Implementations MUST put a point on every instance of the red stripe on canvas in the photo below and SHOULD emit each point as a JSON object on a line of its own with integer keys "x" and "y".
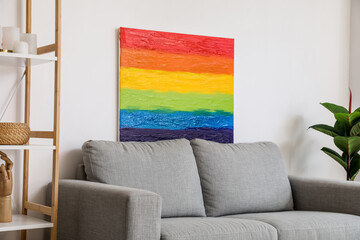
{"x": 176, "y": 42}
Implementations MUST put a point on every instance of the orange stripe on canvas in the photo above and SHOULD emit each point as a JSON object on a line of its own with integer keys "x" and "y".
{"x": 150, "y": 59}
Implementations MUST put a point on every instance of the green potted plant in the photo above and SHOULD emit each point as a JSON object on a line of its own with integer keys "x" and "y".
{"x": 346, "y": 134}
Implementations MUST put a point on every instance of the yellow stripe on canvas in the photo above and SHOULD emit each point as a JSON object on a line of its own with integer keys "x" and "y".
{"x": 181, "y": 82}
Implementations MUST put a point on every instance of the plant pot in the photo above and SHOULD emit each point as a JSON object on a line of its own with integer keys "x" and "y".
{"x": 14, "y": 133}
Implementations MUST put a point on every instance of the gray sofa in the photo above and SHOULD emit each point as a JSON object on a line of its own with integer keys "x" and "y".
{"x": 201, "y": 190}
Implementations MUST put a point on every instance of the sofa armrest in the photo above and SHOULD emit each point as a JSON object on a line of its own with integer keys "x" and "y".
{"x": 89, "y": 210}
{"x": 325, "y": 195}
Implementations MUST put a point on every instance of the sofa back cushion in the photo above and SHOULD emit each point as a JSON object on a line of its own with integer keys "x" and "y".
{"x": 167, "y": 168}
{"x": 242, "y": 178}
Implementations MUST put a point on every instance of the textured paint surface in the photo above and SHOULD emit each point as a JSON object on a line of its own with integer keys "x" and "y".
{"x": 176, "y": 42}
{"x": 174, "y": 101}
{"x": 181, "y": 82}
{"x": 149, "y": 135}
{"x": 174, "y": 120}
{"x": 175, "y": 86}
{"x": 149, "y": 59}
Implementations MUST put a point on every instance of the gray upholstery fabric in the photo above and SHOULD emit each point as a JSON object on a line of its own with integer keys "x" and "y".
{"x": 167, "y": 168}
{"x": 302, "y": 225}
{"x": 241, "y": 178}
{"x": 215, "y": 229}
{"x": 92, "y": 211}
{"x": 326, "y": 195}
{"x": 80, "y": 172}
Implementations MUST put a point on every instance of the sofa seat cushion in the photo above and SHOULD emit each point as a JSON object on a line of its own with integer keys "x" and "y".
{"x": 307, "y": 225}
{"x": 215, "y": 229}
{"x": 242, "y": 177}
{"x": 167, "y": 168}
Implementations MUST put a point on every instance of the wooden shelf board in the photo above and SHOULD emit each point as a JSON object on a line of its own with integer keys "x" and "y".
{"x": 27, "y": 147}
{"x": 22, "y": 222}
{"x": 22, "y": 60}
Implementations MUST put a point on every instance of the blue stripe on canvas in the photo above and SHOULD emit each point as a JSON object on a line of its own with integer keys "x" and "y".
{"x": 175, "y": 120}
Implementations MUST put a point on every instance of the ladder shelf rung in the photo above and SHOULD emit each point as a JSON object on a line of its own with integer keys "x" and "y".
{"x": 42, "y": 134}
{"x": 38, "y": 208}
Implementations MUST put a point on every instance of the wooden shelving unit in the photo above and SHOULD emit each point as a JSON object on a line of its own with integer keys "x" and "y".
{"x": 27, "y": 147}
{"x": 22, "y": 221}
{"x": 23, "y": 60}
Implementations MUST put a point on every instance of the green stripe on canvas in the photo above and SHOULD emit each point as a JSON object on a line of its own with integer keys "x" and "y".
{"x": 152, "y": 100}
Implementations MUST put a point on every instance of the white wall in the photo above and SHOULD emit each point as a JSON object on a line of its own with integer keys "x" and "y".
{"x": 289, "y": 56}
{"x": 355, "y": 52}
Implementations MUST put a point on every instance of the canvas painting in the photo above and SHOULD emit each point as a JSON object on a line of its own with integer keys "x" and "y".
{"x": 175, "y": 86}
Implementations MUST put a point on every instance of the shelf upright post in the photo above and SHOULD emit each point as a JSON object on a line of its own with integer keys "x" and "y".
{"x": 54, "y": 135}
{"x": 27, "y": 121}
{"x": 56, "y": 138}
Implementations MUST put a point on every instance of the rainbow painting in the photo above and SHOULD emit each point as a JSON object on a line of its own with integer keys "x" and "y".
{"x": 175, "y": 86}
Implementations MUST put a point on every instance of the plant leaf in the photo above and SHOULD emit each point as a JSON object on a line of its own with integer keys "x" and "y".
{"x": 354, "y": 166}
{"x": 348, "y": 144}
{"x": 341, "y": 128}
{"x": 357, "y": 110}
{"x": 343, "y": 117}
{"x": 328, "y": 130}
{"x": 353, "y": 176}
{"x": 348, "y": 119}
{"x": 335, "y": 156}
{"x": 355, "y": 130}
{"x": 342, "y": 143}
{"x": 354, "y": 117}
{"x": 335, "y": 108}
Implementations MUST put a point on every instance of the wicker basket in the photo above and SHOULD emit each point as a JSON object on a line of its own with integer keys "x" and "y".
{"x": 14, "y": 133}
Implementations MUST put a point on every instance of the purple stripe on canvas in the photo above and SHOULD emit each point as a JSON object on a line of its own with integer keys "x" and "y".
{"x": 151, "y": 135}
